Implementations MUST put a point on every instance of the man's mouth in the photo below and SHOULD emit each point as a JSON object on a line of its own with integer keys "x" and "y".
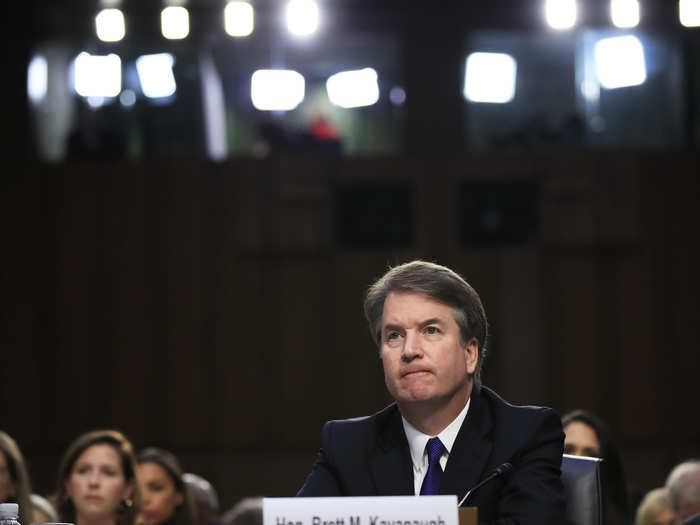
{"x": 408, "y": 373}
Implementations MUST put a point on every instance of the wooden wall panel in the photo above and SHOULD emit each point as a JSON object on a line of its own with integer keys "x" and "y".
{"x": 207, "y": 308}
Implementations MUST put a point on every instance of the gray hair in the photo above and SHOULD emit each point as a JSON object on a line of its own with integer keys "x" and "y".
{"x": 441, "y": 284}
{"x": 683, "y": 484}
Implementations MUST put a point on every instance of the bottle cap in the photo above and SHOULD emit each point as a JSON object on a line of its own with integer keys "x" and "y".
{"x": 9, "y": 511}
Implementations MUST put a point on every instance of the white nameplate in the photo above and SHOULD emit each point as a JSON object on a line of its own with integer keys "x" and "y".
{"x": 374, "y": 510}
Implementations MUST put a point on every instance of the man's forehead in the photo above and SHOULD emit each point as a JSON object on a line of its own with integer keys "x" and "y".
{"x": 412, "y": 304}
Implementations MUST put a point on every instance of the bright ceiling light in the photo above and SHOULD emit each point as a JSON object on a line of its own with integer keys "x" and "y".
{"x": 353, "y": 89}
{"x": 109, "y": 25}
{"x": 239, "y": 18}
{"x": 620, "y": 62}
{"x": 490, "y": 77}
{"x": 689, "y": 12}
{"x": 276, "y": 89}
{"x": 302, "y": 17}
{"x": 97, "y": 75}
{"x": 175, "y": 22}
{"x": 560, "y": 14}
{"x": 624, "y": 13}
{"x": 37, "y": 79}
{"x": 156, "y": 75}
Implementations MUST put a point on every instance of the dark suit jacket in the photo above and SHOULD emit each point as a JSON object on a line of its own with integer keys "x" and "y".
{"x": 369, "y": 456}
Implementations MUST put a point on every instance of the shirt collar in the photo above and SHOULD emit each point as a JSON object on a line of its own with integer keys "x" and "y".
{"x": 417, "y": 440}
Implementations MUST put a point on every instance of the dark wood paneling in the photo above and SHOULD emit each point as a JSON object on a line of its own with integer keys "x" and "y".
{"x": 206, "y": 308}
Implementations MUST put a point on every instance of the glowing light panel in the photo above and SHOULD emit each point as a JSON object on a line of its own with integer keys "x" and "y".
{"x": 109, "y": 25}
{"x": 175, "y": 22}
{"x": 561, "y": 14}
{"x": 624, "y": 13}
{"x": 97, "y": 75}
{"x": 239, "y": 18}
{"x": 302, "y": 17}
{"x": 37, "y": 79}
{"x": 689, "y": 12}
{"x": 276, "y": 89}
{"x": 156, "y": 75}
{"x": 490, "y": 77}
{"x": 353, "y": 89}
{"x": 620, "y": 62}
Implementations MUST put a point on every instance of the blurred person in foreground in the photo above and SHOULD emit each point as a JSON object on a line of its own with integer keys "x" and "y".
{"x": 248, "y": 511}
{"x": 587, "y": 435}
{"x": 445, "y": 432}
{"x": 166, "y": 500}
{"x": 96, "y": 481}
{"x": 655, "y": 508}
{"x": 205, "y": 498}
{"x": 16, "y": 488}
{"x": 683, "y": 484}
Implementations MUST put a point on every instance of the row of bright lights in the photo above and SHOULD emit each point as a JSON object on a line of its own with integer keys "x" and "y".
{"x": 270, "y": 89}
{"x": 562, "y": 14}
{"x": 489, "y": 77}
{"x": 302, "y": 18}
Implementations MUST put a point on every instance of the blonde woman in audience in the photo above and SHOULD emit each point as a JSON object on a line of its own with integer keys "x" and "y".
{"x": 655, "y": 508}
{"x": 96, "y": 481}
{"x": 15, "y": 486}
{"x": 14, "y": 481}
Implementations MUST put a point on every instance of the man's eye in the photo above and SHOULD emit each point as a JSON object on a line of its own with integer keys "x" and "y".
{"x": 432, "y": 330}
{"x": 392, "y": 336}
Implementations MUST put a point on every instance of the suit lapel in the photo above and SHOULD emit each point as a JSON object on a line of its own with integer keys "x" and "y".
{"x": 471, "y": 450}
{"x": 390, "y": 463}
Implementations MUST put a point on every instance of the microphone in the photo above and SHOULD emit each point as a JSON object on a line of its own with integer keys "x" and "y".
{"x": 499, "y": 471}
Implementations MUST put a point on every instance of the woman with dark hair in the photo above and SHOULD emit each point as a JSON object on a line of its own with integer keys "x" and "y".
{"x": 96, "y": 481}
{"x": 166, "y": 497}
{"x": 587, "y": 435}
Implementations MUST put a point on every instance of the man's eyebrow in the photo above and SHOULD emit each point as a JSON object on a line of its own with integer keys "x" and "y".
{"x": 422, "y": 324}
{"x": 432, "y": 320}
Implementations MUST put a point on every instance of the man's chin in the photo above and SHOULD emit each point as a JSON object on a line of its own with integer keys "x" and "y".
{"x": 417, "y": 396}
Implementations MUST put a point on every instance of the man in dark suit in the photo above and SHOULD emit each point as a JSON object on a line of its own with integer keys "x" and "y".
{"x": 445, "y": 433}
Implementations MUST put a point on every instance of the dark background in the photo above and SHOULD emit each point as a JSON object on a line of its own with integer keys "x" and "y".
{"x": 214, "y": 309}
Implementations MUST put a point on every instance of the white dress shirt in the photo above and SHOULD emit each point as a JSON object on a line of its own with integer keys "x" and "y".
{"x": 417, "y": 442}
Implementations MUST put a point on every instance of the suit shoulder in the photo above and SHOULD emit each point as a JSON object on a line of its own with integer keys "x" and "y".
{"x": 350, "y": 440}
{"x": 358, "y": 426}
{"x": 518, "y": 415}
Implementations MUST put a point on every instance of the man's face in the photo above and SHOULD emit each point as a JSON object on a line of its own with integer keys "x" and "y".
{"x": 421, "y": 351}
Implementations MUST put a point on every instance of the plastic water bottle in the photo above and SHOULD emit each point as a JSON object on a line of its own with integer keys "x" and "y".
{"x": 9, "y": 513}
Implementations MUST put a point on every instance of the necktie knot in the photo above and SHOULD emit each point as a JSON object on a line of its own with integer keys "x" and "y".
{"x": 431, "y": 482}
{"x": 435, "y": 449}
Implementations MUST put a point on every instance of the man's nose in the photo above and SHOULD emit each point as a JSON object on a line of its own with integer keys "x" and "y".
{"x": 412, "y": 347}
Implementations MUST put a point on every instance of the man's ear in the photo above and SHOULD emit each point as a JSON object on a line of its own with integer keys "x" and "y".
{"x": 471, "y": 353}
